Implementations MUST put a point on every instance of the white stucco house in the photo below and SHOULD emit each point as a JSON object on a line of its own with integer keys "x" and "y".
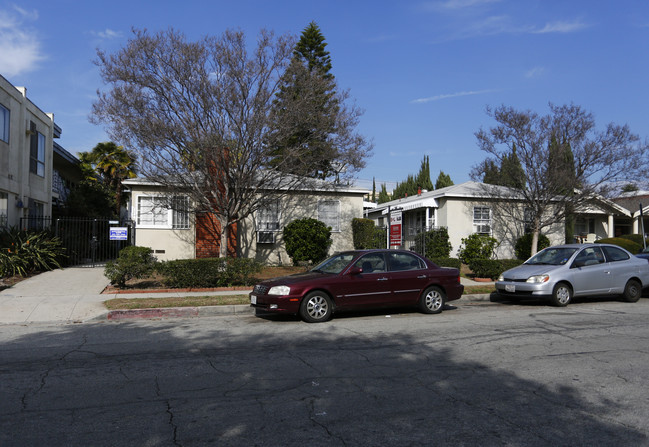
{"x": 176, "y": 233}
{"x": 467, "y": 208}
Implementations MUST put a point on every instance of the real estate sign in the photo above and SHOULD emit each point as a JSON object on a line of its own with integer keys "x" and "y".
{"x": 395, "y": 228}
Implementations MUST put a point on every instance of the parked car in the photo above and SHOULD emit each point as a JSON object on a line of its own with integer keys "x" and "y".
{"x": 360, "y": 279}
{"x": 562, "y": 272}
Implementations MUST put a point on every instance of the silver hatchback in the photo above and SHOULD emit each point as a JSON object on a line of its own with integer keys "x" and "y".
{"x": 562, "y": 272}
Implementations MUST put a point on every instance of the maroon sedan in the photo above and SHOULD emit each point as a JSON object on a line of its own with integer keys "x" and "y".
{"x": 357, "y": 280}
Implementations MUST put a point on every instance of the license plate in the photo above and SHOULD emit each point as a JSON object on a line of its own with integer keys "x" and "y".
{"x": 510, "y": 288}
{"x": 253, "y": 299}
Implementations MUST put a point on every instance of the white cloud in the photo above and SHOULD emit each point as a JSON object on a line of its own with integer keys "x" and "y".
{"x": 449, "y": 95}
{"x": 457, "y": 4}
{"x": 561, "y": 27}
{"x": 20, "y": 48}
{"x": 535, "y": 72}
{"x": 108, "y": 34}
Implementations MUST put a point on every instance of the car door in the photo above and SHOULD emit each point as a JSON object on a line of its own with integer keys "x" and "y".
{"x": 369, "y": 287}
{"x": 591, "y": 275}
{"x": 408, "y": 276}
{"x": 622, "y": 267}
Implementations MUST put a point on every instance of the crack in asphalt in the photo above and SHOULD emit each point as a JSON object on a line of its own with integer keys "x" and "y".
{"x": 169, "y": 411}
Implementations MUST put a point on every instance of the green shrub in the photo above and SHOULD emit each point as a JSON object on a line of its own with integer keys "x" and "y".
{"x": 523, "y": 248}
{"x": 627, "y": 244}
{"x": 438, "y": 244}
{"x": 447, "y": 262}
{"x": 23, "y": 252}
{"x": 132, "y": 262}
{"x": 209, "y": 272}
{"x": 367, "y": 235}
{"x": 476, "y": 246}
{"x": 492, "y": 268}
{"x": 307, "y": 240}
{"x": 242, "y": 271}
{"x": 204, "y": 272}
{"x": 637, "y": 238}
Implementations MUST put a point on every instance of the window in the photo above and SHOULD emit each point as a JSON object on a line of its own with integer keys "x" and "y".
{"x": 482, "y": 220}
{"x": 267, "y": 216}
{"x": 614, "y": 254}
{"x": 589, "y": 256}
{"x": 329, "y": 213}
{"x": 404, "y": 261}
{"x": 37, "y": 152}
{"x": 180, "y": 213}
{"x": 584, "y": 225}
{"x": 371, "y": 263}
{"x": 5, "y": 116}
{"x": 160, "y": 212}
{"x": 4, "y": 209}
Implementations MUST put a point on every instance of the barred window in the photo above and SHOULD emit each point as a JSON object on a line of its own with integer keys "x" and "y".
{"x": 267, "y": 216}
{"x": 160, "y": 212}
{"x": 482, "y": 220}
{"x": 180, "y": 213}
{"x": 329, "y": 213}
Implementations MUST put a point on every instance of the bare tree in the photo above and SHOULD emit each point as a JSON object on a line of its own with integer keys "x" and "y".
{"x": 197, "y": 113}
{"x": 592, "y": 162}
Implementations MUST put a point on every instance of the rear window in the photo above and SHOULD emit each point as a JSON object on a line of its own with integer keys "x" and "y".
{"x": 615, "y": 254}
{"x": 404, "y": 261}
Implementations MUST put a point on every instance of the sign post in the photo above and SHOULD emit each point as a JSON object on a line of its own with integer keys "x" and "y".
{"x": 395, "y": 228}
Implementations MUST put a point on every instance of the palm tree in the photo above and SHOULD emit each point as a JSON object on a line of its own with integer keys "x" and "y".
{"x": 114, "y": 164}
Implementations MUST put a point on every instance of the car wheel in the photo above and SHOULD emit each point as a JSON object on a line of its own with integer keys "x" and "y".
{"x": 632, "y": 291}
{"x": 316, "y": 307}
{"x": 561, "y": 295}
{"x": 432, "y": 300}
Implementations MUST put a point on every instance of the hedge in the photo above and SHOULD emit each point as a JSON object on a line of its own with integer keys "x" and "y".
{"x": 209, "y": 272}
{"x": 625, "y": 243}
{"x": 492, "y": 268}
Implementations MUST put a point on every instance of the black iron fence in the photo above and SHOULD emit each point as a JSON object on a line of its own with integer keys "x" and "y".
{"x": 87, "y": 241}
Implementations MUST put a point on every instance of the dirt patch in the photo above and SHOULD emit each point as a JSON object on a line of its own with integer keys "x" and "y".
{"x": 9, "y": 281}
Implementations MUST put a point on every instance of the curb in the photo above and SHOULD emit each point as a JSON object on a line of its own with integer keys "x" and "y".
{"x": 209, "y": 311}
{"x": 177, "y": 312}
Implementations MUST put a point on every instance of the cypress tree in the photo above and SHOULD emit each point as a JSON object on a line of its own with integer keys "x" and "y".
{"x": 308, "y": 149}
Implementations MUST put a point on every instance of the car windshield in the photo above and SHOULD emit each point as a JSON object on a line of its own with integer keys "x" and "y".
{"x": 552, "y": 256}
{"x": 334, "y": 264}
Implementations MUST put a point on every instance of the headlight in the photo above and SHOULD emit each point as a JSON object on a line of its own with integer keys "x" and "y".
{"x": 538, "y": 278}
{"x": 279, "y": 290}
{"x": 501, "y": 277}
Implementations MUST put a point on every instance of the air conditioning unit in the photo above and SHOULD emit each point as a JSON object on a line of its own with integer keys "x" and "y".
{"x": 266, "y": 237}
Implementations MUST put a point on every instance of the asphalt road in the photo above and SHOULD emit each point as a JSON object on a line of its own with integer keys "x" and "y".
{"x": 483, "y": 374}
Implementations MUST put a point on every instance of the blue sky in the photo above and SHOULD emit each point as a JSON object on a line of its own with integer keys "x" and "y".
{"x": 423, "y": 71}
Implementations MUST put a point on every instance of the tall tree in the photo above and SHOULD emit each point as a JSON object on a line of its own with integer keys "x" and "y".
{"x": 308, "y": 78}
{"x": 383, "y": 194}
{"x": 562, "y": 162}
{"x": 601, "y": 158}
{"x": 373, "y": 189}
{"x": 197, "y": 113}
{"x": 113, "y": 164}
{"x": 443, "y": 180}
{"x": 413, "y": 184}
{"x": 423, "y": 180}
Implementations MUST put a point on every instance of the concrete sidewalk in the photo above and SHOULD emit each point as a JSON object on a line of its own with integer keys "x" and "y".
{"x": 73, "y": 295}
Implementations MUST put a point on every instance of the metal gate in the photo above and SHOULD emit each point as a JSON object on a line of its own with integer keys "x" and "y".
{"x": 87, "y": 241}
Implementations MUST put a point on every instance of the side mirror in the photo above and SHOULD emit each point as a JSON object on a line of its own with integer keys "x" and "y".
{"x": 355, "y": 271}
